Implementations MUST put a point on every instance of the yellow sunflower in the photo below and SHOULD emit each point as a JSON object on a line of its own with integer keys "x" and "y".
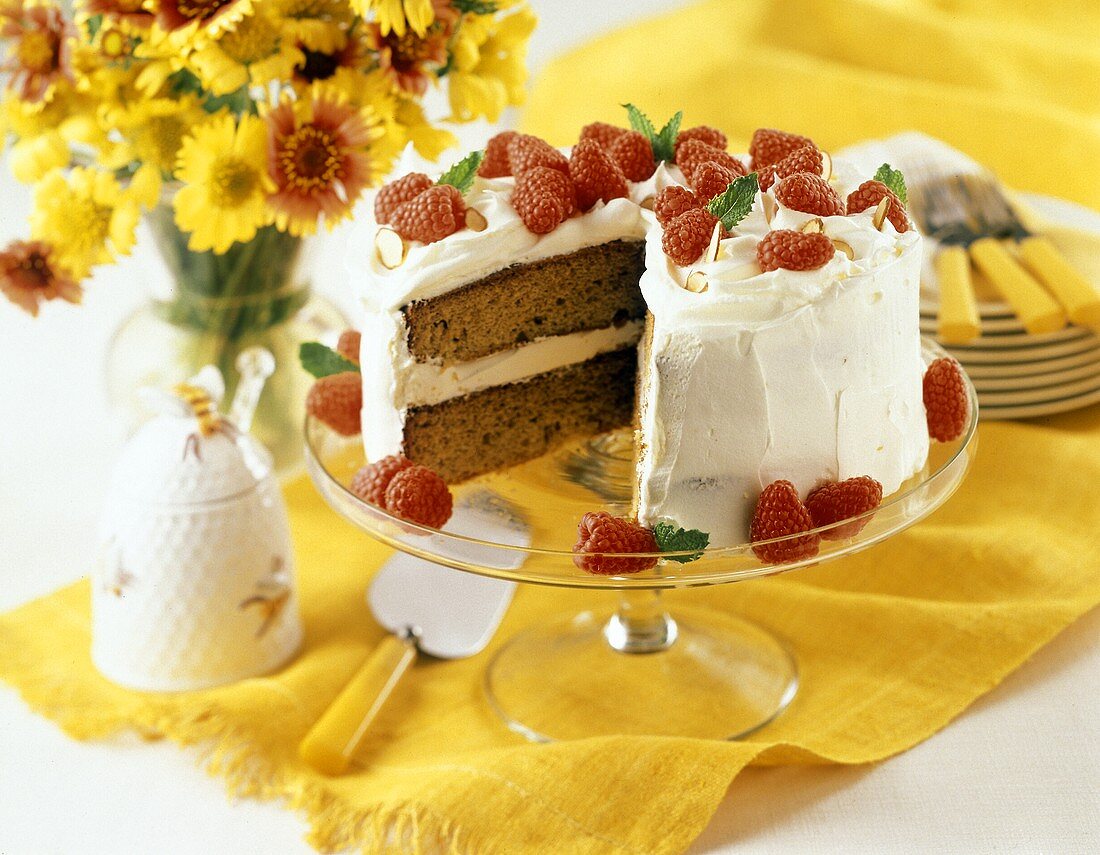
{"x": 85, "y": 216}
{"x": 258, "y": 50}
{"x": 489, "y": 71}
{"x": 224, "y": 169}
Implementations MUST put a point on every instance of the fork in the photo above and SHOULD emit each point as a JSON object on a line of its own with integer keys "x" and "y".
{"x": 974, "y": 222}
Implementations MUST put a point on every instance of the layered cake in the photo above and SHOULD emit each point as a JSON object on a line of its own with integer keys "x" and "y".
{"x": 753, "y": 317}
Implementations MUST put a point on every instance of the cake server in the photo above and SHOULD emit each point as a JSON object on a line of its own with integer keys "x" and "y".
{"x": 427, "y": 609}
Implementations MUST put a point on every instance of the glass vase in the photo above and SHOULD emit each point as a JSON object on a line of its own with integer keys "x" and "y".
{"x": 205, "y": 308}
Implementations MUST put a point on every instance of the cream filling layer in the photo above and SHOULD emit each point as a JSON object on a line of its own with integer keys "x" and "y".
{"x": 426, "y": 383}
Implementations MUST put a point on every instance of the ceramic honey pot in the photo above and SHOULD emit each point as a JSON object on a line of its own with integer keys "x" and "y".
{"x": 194, "y": 582}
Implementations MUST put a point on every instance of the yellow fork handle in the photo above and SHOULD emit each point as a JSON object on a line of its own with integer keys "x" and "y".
{"x": 1080, "y": 297}
{"x": 333, "y": 740}
{"x": 1036, "y": 309}
{"x": 958, "y": 313}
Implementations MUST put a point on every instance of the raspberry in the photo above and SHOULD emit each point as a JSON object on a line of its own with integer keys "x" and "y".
{"x": 869, "y": 194}
{"x": 946, "y": 403}
{"x": 370, "y": 482}
{"x": 834, "y": 502}
{"x": 418, "y": 495}
{"x": 673, "y": 201}
{"x": 806, "y": 159}
{"x": 397, "y": 193}
{"x": 634, "y": 155}
{"x": 595, "y": 175}
{"x": 705, "y": 133}
{"x": 793, "y": 250}
{"x": 496, "y": 164}
{"x": 687, "y": 236}
{"x": 433, "y": 215}
{"x": 810, "y": 194}
{"x": 602, "y": 134}
{"x": 336, "y": 400}
{"x": 599, "y": 532}
{"x": 543, "y": 198}
{"x": 526, "y": 152}
{"x": 693, "y": 153}
{"x": 770, "y": 146}
{"x": 779, "y": 513}
{"x": 710, "y": 179}
{"x": 348, "y": 345}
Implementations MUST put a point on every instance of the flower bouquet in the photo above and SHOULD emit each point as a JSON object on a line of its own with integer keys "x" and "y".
{"x": 237, "y": 128}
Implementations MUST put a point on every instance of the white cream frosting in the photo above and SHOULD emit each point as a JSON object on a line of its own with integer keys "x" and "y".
{"x": 804, "y": 375}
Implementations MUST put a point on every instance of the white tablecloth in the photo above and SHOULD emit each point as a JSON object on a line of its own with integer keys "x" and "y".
{"x": 1018, "y": 772}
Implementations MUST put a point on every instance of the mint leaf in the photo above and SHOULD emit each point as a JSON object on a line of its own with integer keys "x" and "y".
{"x": 665, "y": 147}
{"x": 639, "y": 121}
{"x": 461, "y": 175}
{"x": 671, "y": 538}
{"x": 320, "y": 361}
{"x": 734, "y": 204}
{"x": 663, "y": 143}
{"x": 893, "y": 179}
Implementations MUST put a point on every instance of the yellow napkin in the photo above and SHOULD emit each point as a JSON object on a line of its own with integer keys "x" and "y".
{"x": 893, "y": 643}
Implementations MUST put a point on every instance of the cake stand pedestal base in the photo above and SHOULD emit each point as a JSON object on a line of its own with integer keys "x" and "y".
{"x": 640, "y": 672}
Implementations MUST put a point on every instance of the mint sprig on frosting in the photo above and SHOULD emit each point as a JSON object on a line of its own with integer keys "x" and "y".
{"x": 662, "y": 142}
{"x": 321, "y": 360}
{"x": 735, "y": 203}
{"x": 893, "y": 179}
{"x": 462, "y": 174}
{"x": 671, "y": 538}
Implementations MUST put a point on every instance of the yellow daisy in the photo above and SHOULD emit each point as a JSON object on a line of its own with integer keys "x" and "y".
{"x": 224, "y": 169}
{"x": 154, "y": 129}
{"x": 428, "y": 140}
{"x": 318, "y": 25}
{"x": 30, "y": 159}
{"x": 488, "y": 72}
{"x": 85, "y": 216}
{"x": 398, "y": 16}
{"x": 256, "y": 51}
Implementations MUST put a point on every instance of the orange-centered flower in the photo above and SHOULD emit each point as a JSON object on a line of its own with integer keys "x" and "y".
{"x": 317, "y": 156}
{"x": 127, "y": 11}
{"x": 29, "y": 276}
{"x": 40, "y": 54}
{"x": 173, "y": 15}
{"x": 408, "y": 58}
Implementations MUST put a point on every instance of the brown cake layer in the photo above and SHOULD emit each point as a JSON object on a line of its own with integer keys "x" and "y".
{"x": 589, "y": 289}
{"x": 506, "y": 425}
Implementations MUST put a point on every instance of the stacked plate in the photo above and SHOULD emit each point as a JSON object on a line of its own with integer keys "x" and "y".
{"x": 1018, "y": 375}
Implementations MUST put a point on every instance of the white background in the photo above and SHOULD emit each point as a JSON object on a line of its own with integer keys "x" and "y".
{"x": 1018, "y": 772}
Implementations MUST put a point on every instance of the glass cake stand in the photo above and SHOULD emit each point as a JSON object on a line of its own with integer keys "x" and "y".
{"x": 636, "y": 669}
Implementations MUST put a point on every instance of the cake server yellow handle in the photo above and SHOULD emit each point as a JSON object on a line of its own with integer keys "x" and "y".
{"x": 1036, "y": 309}
{"x": 332, "y": 741}
{"x": 1080, "y": 297}
{"x": 958, "y": 314}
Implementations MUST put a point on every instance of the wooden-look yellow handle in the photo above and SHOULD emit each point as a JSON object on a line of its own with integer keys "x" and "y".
{"x": 332, "y": 741}
{"x": 1036, "y": 309}
{"x": 1080, "y": 297}
{"x": 958, "y": 315}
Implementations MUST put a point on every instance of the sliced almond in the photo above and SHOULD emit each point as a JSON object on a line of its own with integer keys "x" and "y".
{"x": 390, "y": 247}
{"x": 770, "y": 207}
{"x": 826, "y": 166}
{"x": 816, "y": 226}
{"x": 697, "y": 282}
{"x": 845, "y": 247}
{"x": 649, "y": 202}
{"x": 880, "y": 212}
{"x": 712, "y": 249}
{"x": 475, "y": 220}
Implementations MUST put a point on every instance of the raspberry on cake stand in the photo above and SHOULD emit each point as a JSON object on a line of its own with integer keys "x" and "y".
{"x": 640, "y": 669}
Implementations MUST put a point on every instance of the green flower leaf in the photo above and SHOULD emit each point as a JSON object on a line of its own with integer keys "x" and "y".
{"x": 893, "y": 179}
{"x": 733, "y": 205}
{"x": 462, "y": 174}
{"x": 321, "y": 361}
{"x": 671, "y": 538}
{"x": 663, "y": 143}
